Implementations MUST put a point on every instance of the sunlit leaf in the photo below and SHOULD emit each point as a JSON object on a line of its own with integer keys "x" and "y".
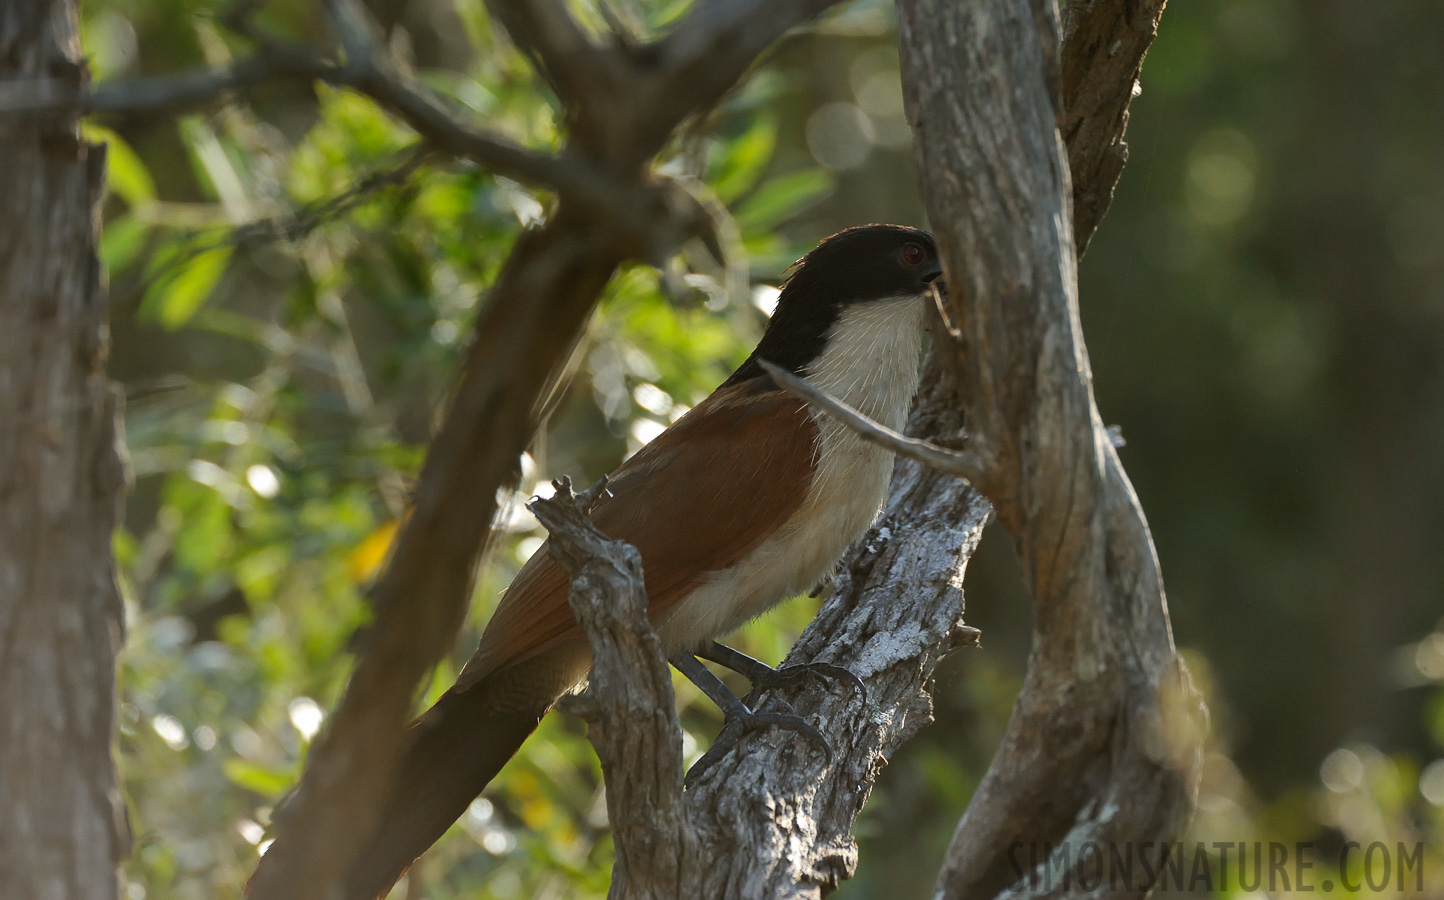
{"x": 125, "y": 173}
{"x": 214, "y": 167}
{"x": 269, "y": 781}
{"x": 744, "y": 159}
{"x": 184, "y": 286}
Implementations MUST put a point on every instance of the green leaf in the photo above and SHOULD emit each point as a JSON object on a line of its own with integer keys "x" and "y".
{"x": 121, "y": 239}
{"x": 125, "y": 173}
{"x": 184, "y": 286}
{"x": 782, "y": 198}
{"x": 745, "y": 158}
{"x": 352, "y": 135}
{"x": 269, "y": 781}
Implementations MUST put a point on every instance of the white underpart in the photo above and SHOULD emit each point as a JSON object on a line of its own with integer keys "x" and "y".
{"x": 872, "y": 362}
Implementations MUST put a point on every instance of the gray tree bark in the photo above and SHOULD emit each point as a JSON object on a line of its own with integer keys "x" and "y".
{"x": 62, "y": 824}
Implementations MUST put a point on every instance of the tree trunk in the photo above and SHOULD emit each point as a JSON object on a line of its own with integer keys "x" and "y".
{"x": 62, "y": 825}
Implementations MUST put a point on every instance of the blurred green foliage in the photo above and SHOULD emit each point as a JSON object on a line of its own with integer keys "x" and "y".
{"x": 292, "y": 280}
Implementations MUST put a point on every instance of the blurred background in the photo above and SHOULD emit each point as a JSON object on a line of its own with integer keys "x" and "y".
{"x": 291, "y": 284}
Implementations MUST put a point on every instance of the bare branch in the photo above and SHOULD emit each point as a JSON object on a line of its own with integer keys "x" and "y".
{"x": 63, "y": 825}
{"x": 357, "y": 33}
{"x": 773, "y": 826}
{"x": 766, "y": 820}
{"x": 628, "y": 705}
{"x": 1103, "y": 743}
{"x": 691, "y": 69}
{"x": 559, "y": 49}
{"x": 404, "y": 96}
{"x": 166, "y": 94}
{"x": 368, "y": 70}
{"x": 967, "y": 464}
{"x": 1103, "y": 50}
{"x": 772, "y": 822}
{"x": 735, "y": 28}
{"x": 529, "y": 326}
{"x": 400, "y": 94}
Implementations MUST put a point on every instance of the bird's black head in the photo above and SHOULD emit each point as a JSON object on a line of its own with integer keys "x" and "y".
{"x": 864, "y": 264}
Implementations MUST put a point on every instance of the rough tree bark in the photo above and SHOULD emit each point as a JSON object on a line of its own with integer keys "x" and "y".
{"x": 62, "y": 825}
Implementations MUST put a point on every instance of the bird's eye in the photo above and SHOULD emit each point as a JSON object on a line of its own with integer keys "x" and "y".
{"x": 912, "y": 254}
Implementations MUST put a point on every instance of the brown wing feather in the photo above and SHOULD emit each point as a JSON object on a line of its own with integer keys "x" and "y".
{"x": 693, "y": 501}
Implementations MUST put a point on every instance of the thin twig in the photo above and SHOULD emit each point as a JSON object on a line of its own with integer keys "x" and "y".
{"x": 937, "y": 295}
{"x": 367, "y": 72}
{"x": 289, "y": 226}
{"x": 967, "y": 464}
{"x": 162, "y": 94}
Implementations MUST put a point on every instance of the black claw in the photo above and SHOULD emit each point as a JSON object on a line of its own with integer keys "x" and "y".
{"x": 741, "y": 716}
{"x": 793, "y": 723}
{"x": 737, "y": 726}
{"x": 787, "y": 676}
{"x": 824, "y": 672}
{"x": 764, "y": 676}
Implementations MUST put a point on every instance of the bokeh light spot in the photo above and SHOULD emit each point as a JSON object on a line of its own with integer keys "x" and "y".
{"x": 840, "y": 136}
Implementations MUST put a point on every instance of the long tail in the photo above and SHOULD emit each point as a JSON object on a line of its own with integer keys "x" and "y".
{"x": 452, "y": 752}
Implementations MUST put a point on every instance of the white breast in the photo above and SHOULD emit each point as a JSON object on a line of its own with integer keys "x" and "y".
{"x": 872, "y": 362}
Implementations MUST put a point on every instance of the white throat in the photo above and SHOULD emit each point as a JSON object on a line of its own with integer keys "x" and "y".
{"x": 873, "y": 359}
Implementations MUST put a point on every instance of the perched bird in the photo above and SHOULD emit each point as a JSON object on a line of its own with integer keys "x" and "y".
{"x": 748, "y": 499}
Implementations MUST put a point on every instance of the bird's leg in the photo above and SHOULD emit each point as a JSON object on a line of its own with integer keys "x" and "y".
{"x": 764, "y": 676}
{"x": 739, "y": 718}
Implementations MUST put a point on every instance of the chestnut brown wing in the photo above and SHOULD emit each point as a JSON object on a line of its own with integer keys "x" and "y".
{"x": 693, "y": 501}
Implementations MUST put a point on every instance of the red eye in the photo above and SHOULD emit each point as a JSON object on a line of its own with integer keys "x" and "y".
{"x": 912, "y": 254}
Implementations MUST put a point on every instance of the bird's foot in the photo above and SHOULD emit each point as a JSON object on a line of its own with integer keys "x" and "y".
{"x": 788, "y": 676}
{"x": 764, "y": 677}
{"x": 745, "y": 722}
{"x": 740, "y": 718}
